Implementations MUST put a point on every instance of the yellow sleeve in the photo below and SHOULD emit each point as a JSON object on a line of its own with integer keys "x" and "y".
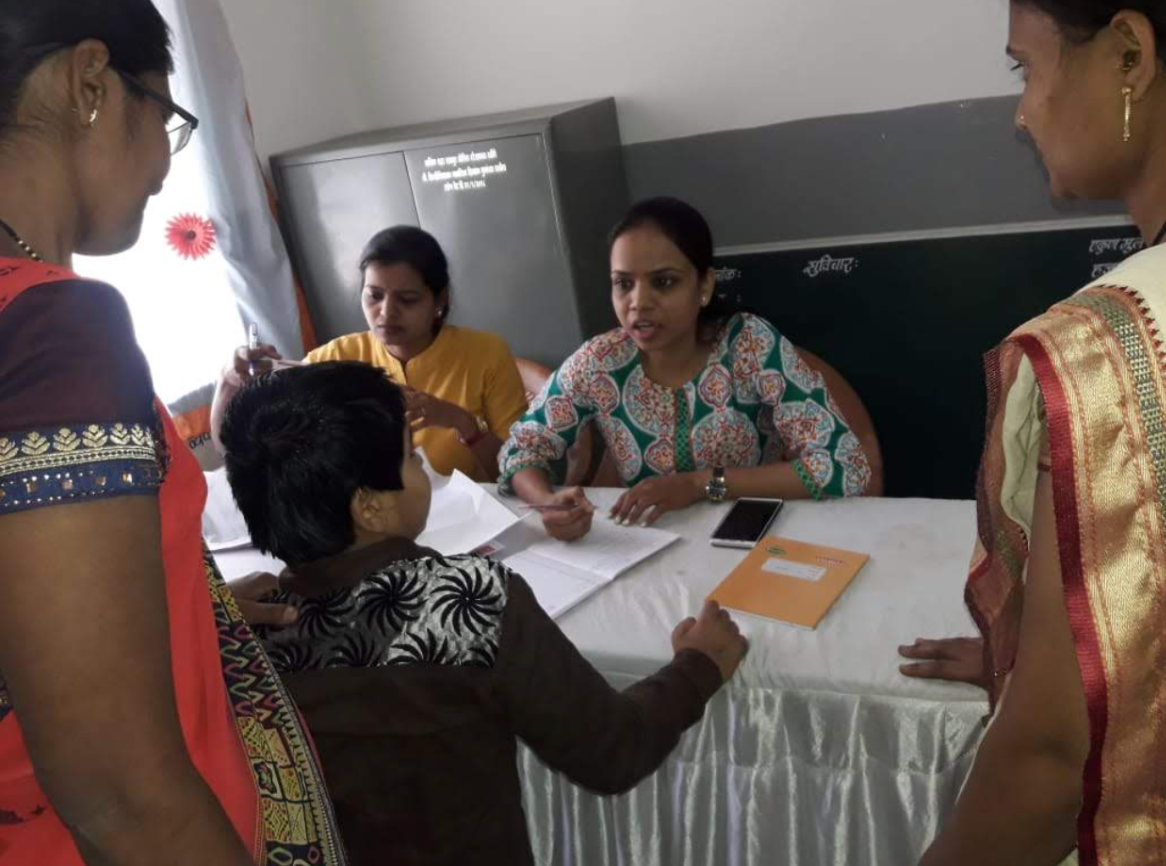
{"x": 505, "y": 398}
{"x": 324, "y": 353}
{"x": 349, "y": 348}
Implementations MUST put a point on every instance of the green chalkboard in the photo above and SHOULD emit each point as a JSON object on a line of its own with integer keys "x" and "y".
{"x": 907, "y": 322}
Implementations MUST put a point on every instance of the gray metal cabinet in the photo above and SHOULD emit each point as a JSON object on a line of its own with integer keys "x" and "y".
{"x": 332, "y": 206}
{"x": 521, "y": 202}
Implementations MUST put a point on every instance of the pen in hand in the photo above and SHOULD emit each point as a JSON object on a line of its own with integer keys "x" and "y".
{"x": 252, "y": 345}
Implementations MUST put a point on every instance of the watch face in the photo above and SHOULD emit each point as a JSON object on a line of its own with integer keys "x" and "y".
{"x": 717, "y": 489}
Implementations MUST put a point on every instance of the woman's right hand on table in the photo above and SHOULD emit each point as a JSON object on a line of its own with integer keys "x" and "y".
{"x": 955, "y": 659}
{"x": 568, "y": 514}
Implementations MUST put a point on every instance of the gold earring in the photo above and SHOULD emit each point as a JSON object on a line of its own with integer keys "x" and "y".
{"x": 1128, "y": 93}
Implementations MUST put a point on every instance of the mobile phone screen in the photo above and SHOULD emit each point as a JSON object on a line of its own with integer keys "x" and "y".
{"x": 748, "y": 520}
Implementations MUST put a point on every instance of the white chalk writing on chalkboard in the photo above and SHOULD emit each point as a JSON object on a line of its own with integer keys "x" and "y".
{"x": 830, "y": 265}
{"x": 1125, "y": 246}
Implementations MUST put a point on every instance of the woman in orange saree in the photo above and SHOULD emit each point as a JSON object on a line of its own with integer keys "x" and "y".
{"x": 1067, "y": 585}
{"x": 140, "y": 720}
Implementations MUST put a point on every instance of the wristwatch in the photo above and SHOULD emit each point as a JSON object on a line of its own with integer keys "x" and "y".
{"x": 478, "y": 435}
{"x": 717, "y": 490}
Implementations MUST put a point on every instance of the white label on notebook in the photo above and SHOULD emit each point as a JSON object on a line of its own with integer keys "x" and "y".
{"x": 794, "y": 569}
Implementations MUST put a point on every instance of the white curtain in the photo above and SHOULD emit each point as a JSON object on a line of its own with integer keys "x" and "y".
{"x": 190, "y": 314}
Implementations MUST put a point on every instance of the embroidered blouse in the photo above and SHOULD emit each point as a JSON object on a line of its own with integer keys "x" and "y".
{"x": 79, "y": 422}
{"x": 77, "y": 416}
{"x": 755, "y": 402}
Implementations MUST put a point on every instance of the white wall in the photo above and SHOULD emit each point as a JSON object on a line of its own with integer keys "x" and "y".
{"x": 304, "y": 85}
{"x": 319, "y": 68}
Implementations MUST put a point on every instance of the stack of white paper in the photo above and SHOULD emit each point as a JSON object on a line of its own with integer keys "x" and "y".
{"x": 562, "y": 575}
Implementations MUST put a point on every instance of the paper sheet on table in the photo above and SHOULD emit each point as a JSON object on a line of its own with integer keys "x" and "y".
{"x": 463, "y": 516}
{"x": 556, "y": 587}
{"x": 608, "y": 550}
{"x": 562, "y": 575}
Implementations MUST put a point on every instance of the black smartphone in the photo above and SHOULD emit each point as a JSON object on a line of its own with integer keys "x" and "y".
{"x": 747, "y": 522}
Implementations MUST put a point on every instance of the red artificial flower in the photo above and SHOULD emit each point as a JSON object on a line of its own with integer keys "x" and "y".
{"x": 191, "y": 236}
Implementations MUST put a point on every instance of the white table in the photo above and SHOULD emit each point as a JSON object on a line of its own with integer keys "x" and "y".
{"x": 819, "y": 751}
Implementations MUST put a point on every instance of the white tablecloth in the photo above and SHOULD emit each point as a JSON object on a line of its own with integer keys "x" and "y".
{"x": 818, "y": 752}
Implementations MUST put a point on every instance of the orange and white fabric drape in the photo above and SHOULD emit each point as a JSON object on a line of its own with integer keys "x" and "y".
{"x": 211, "y": 259}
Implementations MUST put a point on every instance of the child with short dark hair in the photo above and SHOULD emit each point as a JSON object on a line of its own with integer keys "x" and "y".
{"x": 417, "y": 672}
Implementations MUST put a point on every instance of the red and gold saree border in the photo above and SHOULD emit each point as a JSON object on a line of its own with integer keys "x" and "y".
{"x": 1098, "y": 363}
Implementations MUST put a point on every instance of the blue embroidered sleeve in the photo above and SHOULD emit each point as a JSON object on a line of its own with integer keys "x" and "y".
{"x": 51, "y": 467}
{"x": 77, "y": 416}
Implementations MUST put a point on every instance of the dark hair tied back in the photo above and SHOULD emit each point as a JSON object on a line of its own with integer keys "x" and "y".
{"x": 409, "y": 245}
{"x": 689, "y": 232}
{"x": 134, "y": 31}
{"x": 1081, "y": 20}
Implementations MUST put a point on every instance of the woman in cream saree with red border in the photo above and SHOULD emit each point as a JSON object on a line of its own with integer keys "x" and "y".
{"x": 1066, "y": 585}
{"x": 1089, "y": 379}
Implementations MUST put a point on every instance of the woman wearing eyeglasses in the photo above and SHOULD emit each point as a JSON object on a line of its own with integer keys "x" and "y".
{"x": 139, "y": 721}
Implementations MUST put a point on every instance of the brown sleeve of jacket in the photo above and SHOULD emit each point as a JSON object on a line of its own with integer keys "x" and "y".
{"x": 564, "y": 710}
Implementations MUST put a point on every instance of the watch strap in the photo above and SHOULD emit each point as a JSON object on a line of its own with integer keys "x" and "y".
{"x": 482, "y": 431}
{"x": 716, "y": 490}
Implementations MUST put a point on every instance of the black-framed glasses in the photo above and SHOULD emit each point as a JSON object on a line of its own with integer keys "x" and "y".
{"x": 179, "y": 130}
{"x": 184, "y": 124}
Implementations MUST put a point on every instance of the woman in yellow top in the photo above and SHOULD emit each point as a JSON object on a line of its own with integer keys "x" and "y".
{"x": 463, "y": 388}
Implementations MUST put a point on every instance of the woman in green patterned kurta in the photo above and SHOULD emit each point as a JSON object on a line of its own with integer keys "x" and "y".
{"x": 686, "y": 397}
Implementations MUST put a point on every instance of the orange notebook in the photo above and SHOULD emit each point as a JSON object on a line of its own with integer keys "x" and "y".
{"x": 789, "y": 581}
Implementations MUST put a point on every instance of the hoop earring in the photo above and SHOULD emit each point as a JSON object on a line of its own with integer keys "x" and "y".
{"x": 1128, "y": 93}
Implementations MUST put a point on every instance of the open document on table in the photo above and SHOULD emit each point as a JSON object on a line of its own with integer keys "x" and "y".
{"x": 563, "y": 574}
